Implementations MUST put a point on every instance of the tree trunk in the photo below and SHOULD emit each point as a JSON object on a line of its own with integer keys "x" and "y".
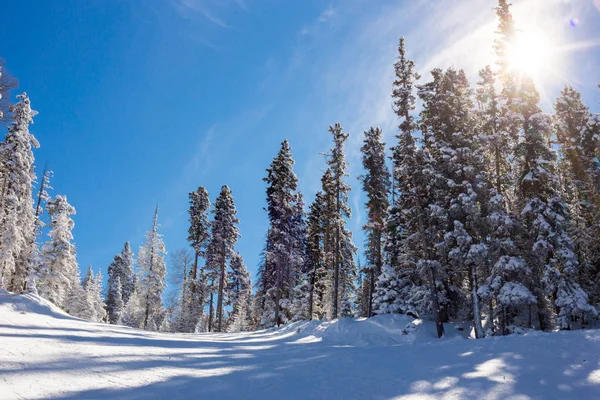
{"x": 311, "y": 293}
{"x": 479, "y": 332}
{"x": 220, "y": 295}
{"x": 371, "y": 290}
{"x": 147, "y": 314}
{"x": 432, "y": 283}
{"x": 210, "y": 306}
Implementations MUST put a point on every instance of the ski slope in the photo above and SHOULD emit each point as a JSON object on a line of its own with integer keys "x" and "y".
{"x": 45, "y": 353}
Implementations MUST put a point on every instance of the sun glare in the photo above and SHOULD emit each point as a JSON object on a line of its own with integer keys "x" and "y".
{"x": 530, "y": 53}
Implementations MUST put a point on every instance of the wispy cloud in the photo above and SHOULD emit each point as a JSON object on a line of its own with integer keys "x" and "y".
{"x": 323, "y": 18}
{"x": 211, "y": 10}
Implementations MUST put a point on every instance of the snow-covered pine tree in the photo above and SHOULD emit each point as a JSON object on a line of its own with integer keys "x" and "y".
{"x": 224, "y": 235}
{"x": 408, "y": 220}
{"x": 133, "y": 313}
{"x": 78, "y": 302}
{"x": 36, "y": 268}
{"x": 504, "y": 288}
{"x": 88, "y": 278}
{"x": 17, "y": 220}
{"x": 376, "y": 184}
{"x": 336, "y": 192}
{"x": 95, "y": 293}
{"x": 284, "y": 208}
{"x": 315, "y": 260}
{"x": 448, "y": 126}
{"x": 121, "y": 270}
{"x": 239, "y": 288}
{"x": 93, "y": 307}
{"x": 199, "y": 225}
{"x": 58, "y": 254}
{"x": 151, "y": 285}
{"x": 194, "y": 291}
{"x": 509, "y": 104}
{"x": 116, "y": 306}
{"x": 545, "y": 217}
{"x": 579, "y": 143}
{"x": 193, "y": 299}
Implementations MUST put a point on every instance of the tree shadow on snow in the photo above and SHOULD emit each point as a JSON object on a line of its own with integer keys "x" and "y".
{"x": 267, "y": 366}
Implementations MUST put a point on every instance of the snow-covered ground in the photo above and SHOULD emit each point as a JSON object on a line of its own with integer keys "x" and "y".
{"x": 45, "y": 353}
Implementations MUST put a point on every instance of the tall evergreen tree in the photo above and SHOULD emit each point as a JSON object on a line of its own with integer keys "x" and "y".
{"x": 120, "y": 272}
{"x": 58, "y": 254}
{"x": 343, "y": 248}
{"x": 544, "y": 216}
{"x": 284, "y": 253}
{"x": 192, "y": 300}
{"x": 114, "y": 302}
{"x": 151, "y": 286}
{"x": 239, "y": 288}
{"x": 376, "y": 184}
{"x": 448, "y": 128}
{"x": 224, "y": 235}
{"x": 315, "y": 260}
{"x": 579, "y": 141}
{"x": 199, "y": 225}
{"x": 17, "y": 221}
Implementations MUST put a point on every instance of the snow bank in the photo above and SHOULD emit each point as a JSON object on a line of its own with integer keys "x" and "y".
{"x": 381, "y": 330}
{"x": 29, "y": 304}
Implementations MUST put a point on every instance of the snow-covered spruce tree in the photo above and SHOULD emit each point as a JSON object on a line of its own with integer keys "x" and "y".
{"x": 315, "y": 264}
{"x": 187, "y": 298}
{"x": 194, "y": 291}
{"x": 36, "y": 267}
{"x": 336, "y": 192}
{"x": 284, "y": 209}
{"x": 120, "y": 270}
{"x": 133, "y": 313}
{"x": 579, "y": 144}
{"x": 17, "y": 220}
{"x": 263, "y": 307}
{"x": 151, "y": 285}
{"x": 448, "y": 128}
{"x": 504, "y": 288}
{"x": 88, "y": 278}
{"x": 93, "y": 307}
{"x": 239, "y": 287}
{"x": 407, "y": 221}
{"x": 115, "y": 297}
{"x": 376, "y": 184}
{"x": 78, "y": 302}
{"x": 545, "y": 216}
{"x": 510, "y": 122}
{"x": 224, "y": 235}
{"x": 58, "y": 254}
{"x": 198, "y": 233}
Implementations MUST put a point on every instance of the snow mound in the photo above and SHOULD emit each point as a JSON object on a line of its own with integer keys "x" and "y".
{"x": 29, "y": 304}
{"x": 380, "y": 330}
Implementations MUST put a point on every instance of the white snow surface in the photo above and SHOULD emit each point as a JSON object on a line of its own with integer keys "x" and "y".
{"x": 46, "y": 354}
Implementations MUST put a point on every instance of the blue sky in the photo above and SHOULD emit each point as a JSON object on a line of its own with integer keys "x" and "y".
{"x": 142, "y": 101}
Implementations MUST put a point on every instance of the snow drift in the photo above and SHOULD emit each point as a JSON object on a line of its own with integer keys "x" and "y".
{"x": 45, "y": 353}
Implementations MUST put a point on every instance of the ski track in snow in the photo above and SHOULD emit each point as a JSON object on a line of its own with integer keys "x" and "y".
{"x": 46, "y": 354}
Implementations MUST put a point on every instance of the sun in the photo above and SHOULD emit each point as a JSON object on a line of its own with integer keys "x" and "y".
{"x": 530, "y": 54}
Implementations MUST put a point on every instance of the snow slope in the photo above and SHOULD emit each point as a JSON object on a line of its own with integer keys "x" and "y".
{"x": 45, "y": 353}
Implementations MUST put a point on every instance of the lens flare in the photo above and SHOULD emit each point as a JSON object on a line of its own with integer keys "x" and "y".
{"x": 574, "y": 22}
{"x": 530, "y": 53}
